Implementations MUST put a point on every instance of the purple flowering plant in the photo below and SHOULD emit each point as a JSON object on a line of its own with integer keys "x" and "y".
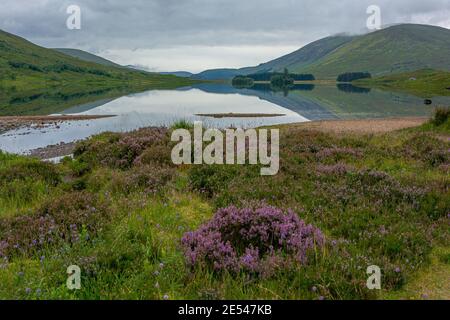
{"x": 255, "y": 240}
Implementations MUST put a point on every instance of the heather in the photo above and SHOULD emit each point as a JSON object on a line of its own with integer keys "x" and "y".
{"x": 142, "y": 228}
{"x": 255, "y": 240}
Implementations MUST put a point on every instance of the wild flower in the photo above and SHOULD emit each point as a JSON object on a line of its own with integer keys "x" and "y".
{"x": 59, "y": 220}
{"x": 337, "y": 152}
{"x": 336, "y": 169}
{"x": 121, "y": 150}
{"x": 254, "y": 240}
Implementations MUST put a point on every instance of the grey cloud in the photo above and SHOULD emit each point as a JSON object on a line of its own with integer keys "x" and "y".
{"x": 159, "y": 24}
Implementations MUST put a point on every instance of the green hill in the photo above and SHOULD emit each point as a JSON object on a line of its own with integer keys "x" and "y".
{"x": 295, "y": 60}
{"x": 397, "y": 49}
{"x": 28, "y": 72}
{"x": 302, "y": 58}
{"x": 425, "y": 83}
{"x": 86, "y": 56}
{"x": 26, "y": 66}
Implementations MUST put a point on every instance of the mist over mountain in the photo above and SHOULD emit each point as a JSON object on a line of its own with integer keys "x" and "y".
{"x": 395, "y": 49}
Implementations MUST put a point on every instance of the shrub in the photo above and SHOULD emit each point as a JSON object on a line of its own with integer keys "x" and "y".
{"x": 119, "y": 150}
{"x": 251, "y": 240}
{"x": 30, "y": 170}
{"x": 337, "y": 153}
{"x": 210, "y": 179}
{"x": 150, "y": 179}
{"x": 441, "y": 116}
{"x": 426, "y": 148}
{"x": 62, "y": 220}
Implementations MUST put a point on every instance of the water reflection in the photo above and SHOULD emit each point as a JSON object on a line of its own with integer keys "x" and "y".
{"x": 348, "y": 87}
{"x": 301, "y": 102}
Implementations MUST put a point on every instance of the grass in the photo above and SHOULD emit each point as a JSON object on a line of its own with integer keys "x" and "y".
{"x": 428, "y": 284}
{"x": 120, "y": 209}
{"x": 423, "y": 83}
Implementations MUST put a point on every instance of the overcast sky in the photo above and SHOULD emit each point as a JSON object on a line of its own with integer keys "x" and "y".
{"x": 194, "y": 35}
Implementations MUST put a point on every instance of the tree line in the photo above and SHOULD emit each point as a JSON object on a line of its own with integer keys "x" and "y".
{"x": 58, "y": 68}
{"x": 352, "y": 76}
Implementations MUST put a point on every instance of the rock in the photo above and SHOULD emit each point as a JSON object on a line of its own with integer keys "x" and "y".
{"x": 428, "y": 101}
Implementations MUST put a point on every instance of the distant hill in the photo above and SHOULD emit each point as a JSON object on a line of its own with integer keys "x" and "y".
{"x": 29, "y": 66}
{"x": 37, "y": 80}
{"x": 182, "y": 74}
{"x": 217, "y": 74}
{"x": 86, "y": 56}
{"x": 396, "y": 49}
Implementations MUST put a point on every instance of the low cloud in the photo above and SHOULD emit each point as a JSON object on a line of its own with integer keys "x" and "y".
{"x": 198, "y": 34}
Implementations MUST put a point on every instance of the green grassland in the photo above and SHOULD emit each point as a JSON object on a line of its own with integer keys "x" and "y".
{"x": 120, "y": 208}
{"x": 425, "y": 83}
{"x": 397, "y": 49}
{"x": 28, "y": 71}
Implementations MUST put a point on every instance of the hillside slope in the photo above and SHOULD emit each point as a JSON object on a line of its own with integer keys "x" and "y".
{"x": 425, "y": 83}
{"x": 26, "y": 66}
{"x": 86, "y": 56}
{"x": 400, "y": 48}
{"x": 295, "y": 60}
{"x": 36, "y": 80}
{"x": 303, "y": 57}
{"x": 396, "y": 49}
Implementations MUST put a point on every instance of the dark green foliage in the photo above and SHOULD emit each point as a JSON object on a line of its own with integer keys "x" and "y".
{"x": 241, "y": 81}
{"x": 441, "y": 116}
{"x": 267, "y": 76}
{"x": 352, "y": 76}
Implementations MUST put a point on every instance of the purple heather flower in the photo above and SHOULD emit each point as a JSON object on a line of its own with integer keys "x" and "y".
{"x": 226, "y": 243}
{"x": 397, "y": 270}
{"x": 28, "y": 290}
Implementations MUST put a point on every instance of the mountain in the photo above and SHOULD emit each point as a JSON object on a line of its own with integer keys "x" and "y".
{"x": 26, "y": 66}
{"x": 217, "y": 74}
{"x": 86, "y": 56}
{"x": 36, "y": 80}
{"x": 303, "y": 57}
{"x": 399, "y": 48}
{"x": 182, "y": 74}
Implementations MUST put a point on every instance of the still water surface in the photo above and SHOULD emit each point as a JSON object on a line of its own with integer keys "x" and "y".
{"x": 164, "y": 107}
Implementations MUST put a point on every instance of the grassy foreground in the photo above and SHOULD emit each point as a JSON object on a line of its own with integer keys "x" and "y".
{"x": 120, "y": 209}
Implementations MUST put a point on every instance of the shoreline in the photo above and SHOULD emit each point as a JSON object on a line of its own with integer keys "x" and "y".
{"x": 8, "y": 123}
{"x": 359, "y": 126}
{"x": 240, "y": 115}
